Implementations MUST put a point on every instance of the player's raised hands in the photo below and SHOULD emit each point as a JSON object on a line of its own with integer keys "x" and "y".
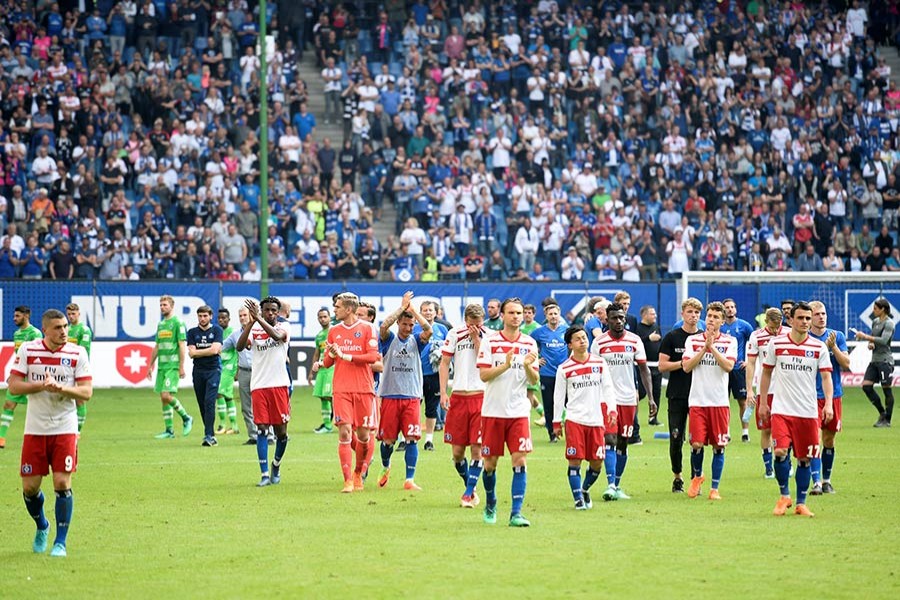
{"x": 830, "y": 340}
{"x": 252, "y": 308}
{"x": 407, "y": 300}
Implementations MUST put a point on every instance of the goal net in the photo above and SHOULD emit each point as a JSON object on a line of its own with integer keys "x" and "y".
{"x": 848, "y": 297}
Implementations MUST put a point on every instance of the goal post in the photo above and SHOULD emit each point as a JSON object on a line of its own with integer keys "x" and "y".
{"x": 848, "y": 298}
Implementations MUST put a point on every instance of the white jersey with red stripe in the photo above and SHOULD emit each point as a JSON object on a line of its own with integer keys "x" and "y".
{"x": 459, "y": 346}
{"x": 582, "y": 388}
{"x": 621, "y": 356}
{"x": 794, "y": 369}
{"x": 756, "y": 346}
{"x": 709, "y": 381}
{"x": 505, "y": 396}
{"x": 269, "y": 356}
{"x": 50, "y": 413}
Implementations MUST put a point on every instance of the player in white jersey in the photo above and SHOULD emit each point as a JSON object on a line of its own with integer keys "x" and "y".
{"x": 756, "y": 346}
{"x": 463, "y": 425}
{"x": 623, "y": 351}
{"x": 268, "y": 338}
{"x": 54, "y": 374}
{"x": 792, "y": 362}
{"x": 709, "y": 356}
{"x": 584, "y": 389}
{"x": 507, "y": 363}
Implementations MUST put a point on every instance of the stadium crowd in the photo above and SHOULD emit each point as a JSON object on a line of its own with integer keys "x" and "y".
{"x": 516, "y": 140}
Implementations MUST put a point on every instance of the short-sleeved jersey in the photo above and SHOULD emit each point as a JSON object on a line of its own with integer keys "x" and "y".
{"x": 794, "y": 370}
{"x": 505, "y": 396}
{"x": 402, "y": 374}
{"x": 552, "y": 347}
{"x": 528, "y": 328}
{"x": 269, "y": 356}
{"x": 169, "y": 334}
{"x": 81, "y": 335}
{"x": 756, "y": 347}
{"x": 621, "y": 356}
{"x": 356, "y": 340}
{"x": 494, "y": 324}
{"x": 203, "y": 339}
{"x": 709, "y": 384}
{"x": 50, "y": 413}
{"x": 672, "y": 345}
{"x": 438, "y": 335}
{"x": 322, "y": 341}
{"x": 461, "y": 349}
{"x": 26, "y": 334}
{"x": 840, "y": 340}
{"x": 739, "y": 330}
{"x": 581, "y": 389}
{"x": 228, "y": 356}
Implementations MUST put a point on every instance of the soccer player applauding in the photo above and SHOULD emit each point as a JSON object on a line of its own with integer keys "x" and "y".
{"x": 54, "y": 374}
{"x": 463, "y": 406}
{"x": 584, "y": 388}
{"x": 709, "y": 356}
{"x": 792, "y": 362}
{"x": 507, "y": 362}
{"x": 352, "y": 348}
{"x": 622, "y": 350}
{"x": 268, "y": 338}
{"x": 401, "y": 387}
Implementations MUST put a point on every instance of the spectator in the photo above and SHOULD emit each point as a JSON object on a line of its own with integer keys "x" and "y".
{"x": 572, "y": 265}
{"x": 809, "y": 260}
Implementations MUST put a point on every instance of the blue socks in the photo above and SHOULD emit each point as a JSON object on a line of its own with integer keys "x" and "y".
{"x": 610, "y": 465}
{"x": 280, "y": 447}
{"x": 767, "y": 460}
{"x": 783, "y": 475}
{"x": 519, "y": 481}
{"x": 696, "y": 462}
{"x": 802, "y": 477}
{"x": 35, "y": 507}
{"x": 386, "y": 451}
{"x": 815, "y": 466}
{"x": 462, "y": 469}
{"x": 474, "y": 473}
{"x": 412, "y": 457}
{"x": 827, "y": 463}
{"x": 64, "y": 505}
{"x": 490, "y": 487}
{"x": 621, "y": 461}
{"x": 590, "y": 479}
{"x": 718, "y": 463}
{"x": 575, "y": 483}
{"x": 262, "y": 451}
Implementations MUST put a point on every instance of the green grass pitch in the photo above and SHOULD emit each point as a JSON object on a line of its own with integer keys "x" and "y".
{"x": 171, "y": 519}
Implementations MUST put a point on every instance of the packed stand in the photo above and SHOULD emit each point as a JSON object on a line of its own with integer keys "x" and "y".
{"x": 513, "y": 141}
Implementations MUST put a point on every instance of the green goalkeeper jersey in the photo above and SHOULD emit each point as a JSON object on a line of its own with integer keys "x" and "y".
{"x": 169, "y": 333}
{"x": 527, "y": 328}
{"x": 229, "y": 357}
{"x": 20, "y": 336}
{"x": 81, "y": 335}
